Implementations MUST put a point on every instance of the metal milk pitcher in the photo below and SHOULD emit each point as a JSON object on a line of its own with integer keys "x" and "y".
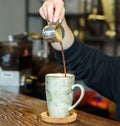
{"x": 53, "y": 32}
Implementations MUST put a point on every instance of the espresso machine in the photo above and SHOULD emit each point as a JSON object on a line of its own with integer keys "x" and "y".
{"x": 22, "y": 60}
{"x": 15, "y": 61}
{"x": 111, "y": 10}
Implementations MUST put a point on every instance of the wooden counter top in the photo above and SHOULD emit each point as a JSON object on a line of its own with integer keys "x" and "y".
{"x": 21, "y": 110}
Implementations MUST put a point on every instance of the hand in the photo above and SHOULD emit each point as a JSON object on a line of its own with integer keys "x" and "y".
{"x": 53, "y": 10}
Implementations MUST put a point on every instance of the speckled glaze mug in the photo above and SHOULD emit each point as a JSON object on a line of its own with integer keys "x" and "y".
{"x": 59, "y": 94}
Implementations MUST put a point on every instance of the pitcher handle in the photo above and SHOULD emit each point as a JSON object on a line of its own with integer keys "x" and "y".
{"x": 80, "y": 97}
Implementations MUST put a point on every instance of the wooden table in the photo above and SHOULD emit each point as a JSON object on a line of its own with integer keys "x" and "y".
{"x": 21, "y": 110}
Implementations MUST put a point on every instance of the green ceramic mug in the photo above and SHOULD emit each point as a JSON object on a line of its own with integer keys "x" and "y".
{"x": 59, "y": 94}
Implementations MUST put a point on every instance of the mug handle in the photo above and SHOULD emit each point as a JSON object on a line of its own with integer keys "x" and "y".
{"x": 80, "y": 98}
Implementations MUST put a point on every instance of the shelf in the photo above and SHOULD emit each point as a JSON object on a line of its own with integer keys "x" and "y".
{"x": 67, "y": 15}
{"x": 33, "y": 15}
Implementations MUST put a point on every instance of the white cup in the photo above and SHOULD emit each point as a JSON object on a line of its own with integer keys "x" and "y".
{"x": 59, "y": 94}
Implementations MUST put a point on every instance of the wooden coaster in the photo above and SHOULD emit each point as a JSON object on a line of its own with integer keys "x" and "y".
{"x": 48, "y": 119}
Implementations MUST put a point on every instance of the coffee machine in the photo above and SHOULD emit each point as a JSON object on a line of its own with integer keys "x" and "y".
{"x": 111, "y": 10}
{"x": 15, "y": 61}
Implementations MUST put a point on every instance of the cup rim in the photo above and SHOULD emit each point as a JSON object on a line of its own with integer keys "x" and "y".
{"x": 59, "y": 75}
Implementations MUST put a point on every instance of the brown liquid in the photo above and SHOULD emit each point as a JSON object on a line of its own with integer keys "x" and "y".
{"x": 63, "y": 58}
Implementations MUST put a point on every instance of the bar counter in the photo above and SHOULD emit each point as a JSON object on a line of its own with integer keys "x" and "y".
{"x": 22, "y": 110}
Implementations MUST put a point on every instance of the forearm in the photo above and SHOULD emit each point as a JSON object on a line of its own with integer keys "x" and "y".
{"x": 68, "y": 38}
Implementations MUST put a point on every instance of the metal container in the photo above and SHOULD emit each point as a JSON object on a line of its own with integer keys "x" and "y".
{"x": 53, "y": 32}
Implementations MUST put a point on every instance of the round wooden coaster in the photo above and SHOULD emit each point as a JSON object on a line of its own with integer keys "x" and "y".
{"x": 48, "y": 119}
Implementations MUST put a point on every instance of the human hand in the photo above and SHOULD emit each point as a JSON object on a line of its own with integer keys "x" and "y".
{"x": 53, "y": 10}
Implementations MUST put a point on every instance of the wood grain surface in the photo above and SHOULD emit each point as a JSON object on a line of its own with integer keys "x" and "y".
{"x": 21, "y": 110}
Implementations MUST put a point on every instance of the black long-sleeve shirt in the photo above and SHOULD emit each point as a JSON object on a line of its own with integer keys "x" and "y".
{"x": 99, "y": 71}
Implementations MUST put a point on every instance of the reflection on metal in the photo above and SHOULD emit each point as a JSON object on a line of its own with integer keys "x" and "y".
{"x": 81, "y": 31}
{"x": 95, "y": 16}
{"x": 80, "y": 34}
{"x": 108, "y": 15}
{"x": 35, "y": 35}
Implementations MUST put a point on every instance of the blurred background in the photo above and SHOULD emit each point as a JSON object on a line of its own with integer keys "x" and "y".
{"x": 25, "y": 57}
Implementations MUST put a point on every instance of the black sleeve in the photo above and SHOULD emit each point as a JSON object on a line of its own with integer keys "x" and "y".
{"x": 96, "y": 69}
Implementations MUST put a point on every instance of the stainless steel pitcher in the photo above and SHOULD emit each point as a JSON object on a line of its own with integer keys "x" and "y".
{"x": 53, "y": 32}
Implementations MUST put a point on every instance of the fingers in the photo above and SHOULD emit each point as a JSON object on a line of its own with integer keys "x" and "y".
{"x": 61, "y": 18}
{"x": 43, "y": 11}
{"x": 52, "y": 10}
{"x": 59, "y": 10}
{"x": 46, "y": 10}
